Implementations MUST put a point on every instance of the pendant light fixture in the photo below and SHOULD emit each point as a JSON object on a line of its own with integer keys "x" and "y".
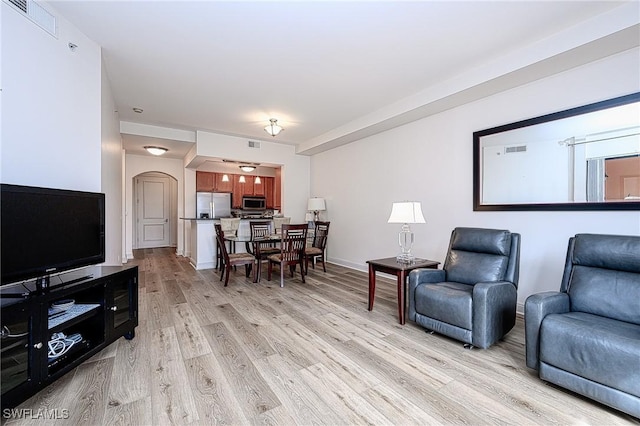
{"x": 273, "y": 129}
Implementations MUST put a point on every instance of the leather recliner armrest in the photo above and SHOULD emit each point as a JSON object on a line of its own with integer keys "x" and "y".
{"x": 420, "y": 276}
{"x": 493, "y": 307}
{"x": 536, "y": 307}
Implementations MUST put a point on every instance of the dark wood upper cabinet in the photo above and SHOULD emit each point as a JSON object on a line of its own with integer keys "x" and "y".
{"x": 205, "y": 182}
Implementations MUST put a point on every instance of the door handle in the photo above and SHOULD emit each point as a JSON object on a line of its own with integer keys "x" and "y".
{"x": 166, "y": 220}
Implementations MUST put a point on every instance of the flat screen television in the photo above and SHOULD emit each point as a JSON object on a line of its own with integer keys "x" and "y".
{"x": 46, "y": 231}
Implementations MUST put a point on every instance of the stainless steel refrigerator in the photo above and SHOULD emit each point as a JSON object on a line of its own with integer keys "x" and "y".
{"x": 213, "y": 204}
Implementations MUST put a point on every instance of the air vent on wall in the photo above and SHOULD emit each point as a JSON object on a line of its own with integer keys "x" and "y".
{"x": 37, "y": 14}
{"x": 253, "y": 144}
{"x": 514, "y": 149}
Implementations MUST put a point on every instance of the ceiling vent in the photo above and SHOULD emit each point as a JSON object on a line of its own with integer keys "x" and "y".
{"x": 514, "y": 149}
{"x": 37, "y": 14}
{"x": 253, "y": 144}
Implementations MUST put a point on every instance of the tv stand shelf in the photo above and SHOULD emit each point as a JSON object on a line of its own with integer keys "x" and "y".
{"x": 71, "y": 316}
{"x": 105, "y": 308}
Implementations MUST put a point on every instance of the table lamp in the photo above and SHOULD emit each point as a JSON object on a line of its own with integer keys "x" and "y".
{"x": 406, "y": 212}
{"x": 316, "y": 205}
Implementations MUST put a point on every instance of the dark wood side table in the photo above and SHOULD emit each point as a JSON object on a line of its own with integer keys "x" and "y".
{"x": 391, "y": 266}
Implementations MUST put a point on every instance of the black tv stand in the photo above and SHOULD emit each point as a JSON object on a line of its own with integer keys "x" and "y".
{"x": 43, "y": 282}
{"x": 105, "y": 308}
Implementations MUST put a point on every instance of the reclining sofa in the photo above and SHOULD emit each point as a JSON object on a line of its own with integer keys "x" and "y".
{"x": 586, "y": 337}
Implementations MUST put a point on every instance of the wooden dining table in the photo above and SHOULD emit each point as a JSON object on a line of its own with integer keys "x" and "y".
{"x": 252, "y": 245}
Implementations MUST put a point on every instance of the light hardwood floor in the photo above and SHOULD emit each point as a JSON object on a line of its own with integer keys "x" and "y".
{"x": 303, "y": 354}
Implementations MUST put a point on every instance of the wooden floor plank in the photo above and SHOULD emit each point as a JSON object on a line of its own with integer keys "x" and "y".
{"x": 214, "y": 398}
{"x": 190, "y": 337}
{"x": 131, "y": 376}
{"x": 350, "y": 406}
{"x": 252, "y": 392}
{"x": 91, "y": 383}
{"x": 357, "y": 377}
{"x": 254, "y": 344}
{"x": 171, "y": 404}
{"x": 301, "y": 401}
{"x": 132, "y": 413}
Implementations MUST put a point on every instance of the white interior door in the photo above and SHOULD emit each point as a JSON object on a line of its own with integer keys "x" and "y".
{"x": 153, "y": 212}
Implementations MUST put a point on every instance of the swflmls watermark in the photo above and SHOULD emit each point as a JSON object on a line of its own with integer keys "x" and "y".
{"x": 29, "y": 413}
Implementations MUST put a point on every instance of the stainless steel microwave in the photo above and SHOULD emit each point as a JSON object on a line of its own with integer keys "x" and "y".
{"x": 254, "y": 203}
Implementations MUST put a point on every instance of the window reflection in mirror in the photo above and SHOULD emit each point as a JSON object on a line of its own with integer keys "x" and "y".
{"x": 585, "y": 158}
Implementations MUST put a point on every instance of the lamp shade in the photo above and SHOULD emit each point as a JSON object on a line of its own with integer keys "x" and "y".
{"x": 316, "y": 204}
{"x": 406, "y": 212}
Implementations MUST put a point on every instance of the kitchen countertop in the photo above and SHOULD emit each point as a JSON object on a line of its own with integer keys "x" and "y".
{"x": 226, "y": 217}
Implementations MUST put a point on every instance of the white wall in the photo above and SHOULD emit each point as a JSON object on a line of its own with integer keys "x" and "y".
{"x": 431, "y": 161}
{"x": 59, "y": 128}
{"x": 51, "y": 112}
{"x": 111, "y": 176}
{"x": 137, "y": 164}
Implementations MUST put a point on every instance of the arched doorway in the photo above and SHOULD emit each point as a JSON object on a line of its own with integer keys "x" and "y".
{"x": 155, "y": 210}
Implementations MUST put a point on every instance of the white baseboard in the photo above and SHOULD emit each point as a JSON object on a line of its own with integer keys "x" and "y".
{"x": 347, "y": 264}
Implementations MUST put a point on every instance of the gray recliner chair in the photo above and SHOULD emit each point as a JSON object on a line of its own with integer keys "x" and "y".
{"x": 473, "y": 298}
{"x": 586, "y": 337}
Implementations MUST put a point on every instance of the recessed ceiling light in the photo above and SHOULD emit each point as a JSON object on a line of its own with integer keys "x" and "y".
{"x": 138, "y": 110}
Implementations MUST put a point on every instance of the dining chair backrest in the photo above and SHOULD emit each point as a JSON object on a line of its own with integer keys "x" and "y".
{"x": 278, "y": 222}
{"x": 320, "y": 235}
{"x": 220, "y": 240}
{"x": 230, "y": 225}
{"x": 294, "y": 238}
{"x": 260, "y": 229}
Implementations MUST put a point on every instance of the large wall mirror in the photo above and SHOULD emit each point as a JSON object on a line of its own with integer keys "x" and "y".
{"x": 585, "y": 158}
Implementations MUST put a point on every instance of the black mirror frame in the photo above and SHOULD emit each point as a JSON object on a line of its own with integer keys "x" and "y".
{"x": 477, "y": 181}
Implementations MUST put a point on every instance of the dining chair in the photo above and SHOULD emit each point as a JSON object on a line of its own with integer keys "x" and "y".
{"x": 232, "y": 259}
{"x": 261, "y": 229}
{"x": 318, "y": 246}
{"x": 294, "y": 238}
{"x": 230, "y": 227}
{"x": 278, "y": 222}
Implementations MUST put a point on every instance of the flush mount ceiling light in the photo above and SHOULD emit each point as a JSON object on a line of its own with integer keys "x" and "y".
{"x": 247, "y": 169}
{"x": 138, "y": 110}
{"x": 273, "y": 129}
{"x": 156, "y": 150}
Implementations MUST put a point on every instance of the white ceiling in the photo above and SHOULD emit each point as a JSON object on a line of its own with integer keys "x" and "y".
{"x": 323, "y": 69}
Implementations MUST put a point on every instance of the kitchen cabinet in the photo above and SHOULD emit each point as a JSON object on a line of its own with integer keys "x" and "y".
{"x": 103, "y": 307}
{"x": 258, "y": 188}
{"x": 269, "y": 191}
{"x": 205, "y": 182}
{"x": 220, "y": 185}
{"x": 268, "y": 188}
{"x": 212, "y": 182}
{"x": 241, "y": 189}
{"x": 277, "y": 187}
